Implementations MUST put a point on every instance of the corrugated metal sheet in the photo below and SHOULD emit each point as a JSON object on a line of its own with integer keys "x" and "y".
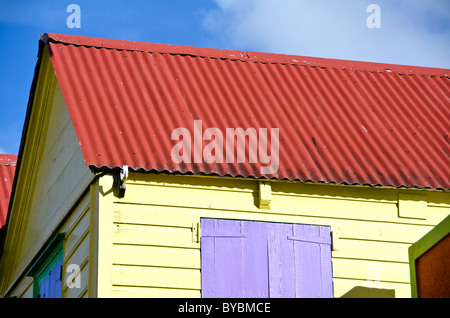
{"x": 339, "y": 121}
{"x": 7, "y": 169}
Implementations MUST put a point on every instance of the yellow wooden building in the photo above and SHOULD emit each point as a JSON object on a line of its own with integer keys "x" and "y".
{"x": 124, "y": 229}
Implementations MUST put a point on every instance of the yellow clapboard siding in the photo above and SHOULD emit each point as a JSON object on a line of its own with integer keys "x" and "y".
{"x": 179, "y": 181}
{"x": 371, "y": 245}
{"x": 156, "y": 277}
{"x": 350, "y": 229}
{"x": 149, "y": 292}
{"x": 435, "y": 213}
{"x": 206, "y": 199}
{"x": 153, "y": 235}
{"x": 352, "y": 288}
{"x": 374, "y": 244}
{"x": 201, "y": 198}
{"x": 153, "y": 215}
{"x": 365, "y": 270}
{"x": 368, "y": 250}
{"x": 335, "y": 192}
{"x": 156, "y": 256}
{"x": 379, "y": 231}
{"x": 343, "y": 208}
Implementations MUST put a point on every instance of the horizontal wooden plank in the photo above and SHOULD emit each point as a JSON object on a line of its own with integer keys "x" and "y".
{"x": 305, "y": 189}
{"x": 369, "y": 250}
{"x": 321, "y": 204}
{"x": 193, "y": 181}
{"x": 150, "y": 292}
{"x": 341, "y": 209}
{"x": 349, "y": 229}
{"x": 154, "y": 215}
{"x": 376, "y": 231}
{"x": 371, "y": 271}
{"x": 153, "y": 235}
{"x": 156, "y": 277}
{"x": 156, "y": 256}
{"x": 338, "y": 192}
{"x": 190, "y": 197}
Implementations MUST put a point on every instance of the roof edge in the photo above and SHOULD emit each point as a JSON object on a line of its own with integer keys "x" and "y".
{"x": 243, "y": 55}
{"x": 105, "y": 169}
{"x": 26, "y": 124}
{"x": 8, "y": 159}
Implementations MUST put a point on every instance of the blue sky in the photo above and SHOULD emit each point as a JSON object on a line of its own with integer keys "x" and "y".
{"x": 412, "y": 32}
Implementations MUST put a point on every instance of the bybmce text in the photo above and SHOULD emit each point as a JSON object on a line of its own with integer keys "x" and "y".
{"x": 240, "y": 307}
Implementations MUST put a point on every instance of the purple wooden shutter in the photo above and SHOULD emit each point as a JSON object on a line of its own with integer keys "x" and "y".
{"x": 242, "y": 259}
{"x": 300, "y": 261}
{"x": 222, "y": 261}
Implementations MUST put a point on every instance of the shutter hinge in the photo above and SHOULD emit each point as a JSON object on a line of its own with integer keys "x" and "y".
{"x": 195, "y": 232}
{"x": 334, "y": 240}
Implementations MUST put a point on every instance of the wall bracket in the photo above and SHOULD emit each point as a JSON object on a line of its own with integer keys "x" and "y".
{"x": 120, "y": 178}
{"x": 265, "y": 195}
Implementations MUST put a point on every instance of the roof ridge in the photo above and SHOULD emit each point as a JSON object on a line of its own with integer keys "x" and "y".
{"x": 245, "y": 56}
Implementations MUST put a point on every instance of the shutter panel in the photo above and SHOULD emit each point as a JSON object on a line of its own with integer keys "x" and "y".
{"x": 255, "y": 260}
{"x": 51, "y": 286}
{"x": 312, "y": 257}
{"x": 221, "y": 259}
{"x": 56, "y": 288}
{"x": 281, "y": 261}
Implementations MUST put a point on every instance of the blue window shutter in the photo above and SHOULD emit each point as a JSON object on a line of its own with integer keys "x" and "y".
{"x": 51, "y": 286}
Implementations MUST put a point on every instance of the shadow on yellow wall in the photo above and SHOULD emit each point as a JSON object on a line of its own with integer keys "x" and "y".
{"x": 367, "y": 292}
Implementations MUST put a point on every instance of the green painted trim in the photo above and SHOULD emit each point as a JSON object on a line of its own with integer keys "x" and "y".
{"x": 51, "y": 256}
{"x": 424, "y": 244}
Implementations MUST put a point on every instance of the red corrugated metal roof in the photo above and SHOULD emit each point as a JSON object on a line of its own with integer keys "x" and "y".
{"x": 339, "y": 121}
{"x": 7, "y": 169}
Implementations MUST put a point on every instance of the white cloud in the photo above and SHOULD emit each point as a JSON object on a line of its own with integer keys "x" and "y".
{"x": 412, "y": 31}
